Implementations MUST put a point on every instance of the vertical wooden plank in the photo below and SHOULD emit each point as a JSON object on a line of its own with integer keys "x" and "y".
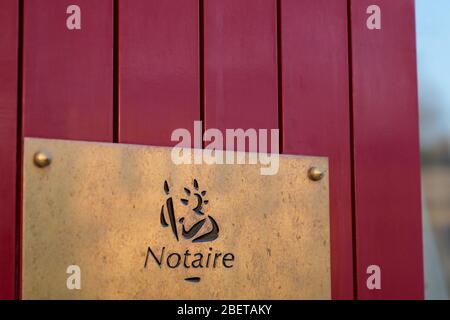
{"x": 316, "y": 113}
{"x": 158, "y": 69}
{"x": 386, "y": 150}
{"x": 68, "y": 74}
{"x": 240, "y": 64}
{"x": 9, "y": 15}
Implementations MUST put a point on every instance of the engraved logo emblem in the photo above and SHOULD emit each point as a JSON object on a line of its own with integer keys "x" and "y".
{"x": 187, "y": 218}
{"x": 195, "y": 225}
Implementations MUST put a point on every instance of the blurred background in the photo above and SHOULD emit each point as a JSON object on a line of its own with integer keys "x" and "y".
{"x": 433, "y": 49}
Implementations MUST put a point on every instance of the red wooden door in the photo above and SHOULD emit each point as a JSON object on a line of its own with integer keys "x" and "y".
{"x": 155, "y": 66}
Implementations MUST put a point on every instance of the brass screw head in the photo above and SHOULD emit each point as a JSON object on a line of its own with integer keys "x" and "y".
{"x": 315, "y": 174}
{"x": 42, "y": 159}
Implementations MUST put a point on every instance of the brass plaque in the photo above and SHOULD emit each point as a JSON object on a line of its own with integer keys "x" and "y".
{"x": 127, "y": 223}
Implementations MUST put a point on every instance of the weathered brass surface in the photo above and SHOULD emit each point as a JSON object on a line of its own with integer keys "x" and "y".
{"x": 104, "y": 208}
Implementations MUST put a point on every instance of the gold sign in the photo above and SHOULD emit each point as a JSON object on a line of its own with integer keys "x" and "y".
{"x": 113, "y": 221}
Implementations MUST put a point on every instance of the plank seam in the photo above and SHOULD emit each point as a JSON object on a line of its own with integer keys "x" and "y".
{"x": 201, "y": 17}
{"x": 280, "y": 77}
{"x": 352, "y": 148}
{"x": 19, "y": 153}
{"x": 116, "y": 93}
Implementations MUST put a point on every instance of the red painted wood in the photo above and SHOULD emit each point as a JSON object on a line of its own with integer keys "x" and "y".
{"x": 240, "y": 64}
{"x": 158, "y": 69}
{"x": 8, "y": 144}
{"x": 68, "y": 74}
{"x": 386, "y": 151}
{"x": 316, "y": 112}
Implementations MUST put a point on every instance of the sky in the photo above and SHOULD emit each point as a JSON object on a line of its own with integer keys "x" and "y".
{"x": 433, "y": 55}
